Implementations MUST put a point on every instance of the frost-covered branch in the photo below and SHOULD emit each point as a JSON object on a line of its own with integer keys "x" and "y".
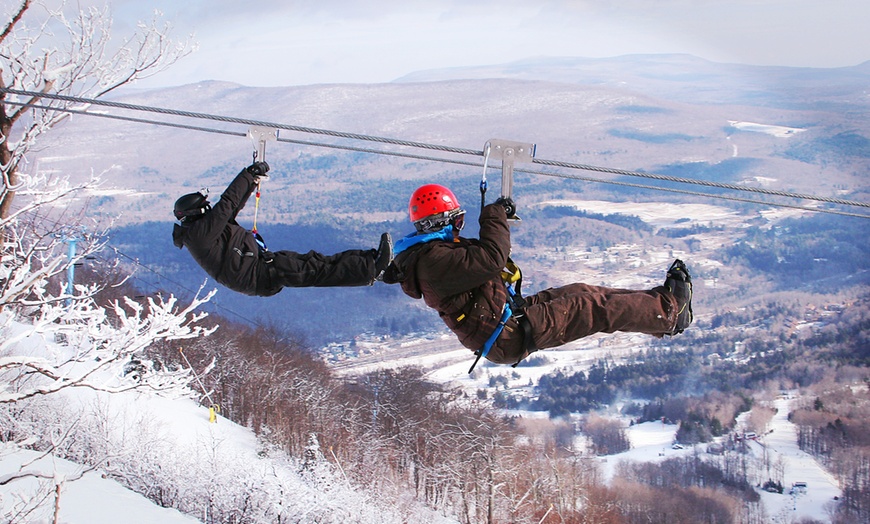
{"x": 29, "y": 255}
{"x": 44, "y": 192}
{"x": 100, "y": 348}
{"x": 46, "y": 49}
{"x": 100, "y": 351}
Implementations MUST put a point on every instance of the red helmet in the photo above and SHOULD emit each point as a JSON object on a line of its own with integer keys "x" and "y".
{"x": 431, "y": 199}
{"x": 433, "y": 206}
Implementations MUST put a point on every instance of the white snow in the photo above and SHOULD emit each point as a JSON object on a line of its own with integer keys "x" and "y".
{"x": 822, "y": 487}
{"x": 652, "y": 442}
{"x": 90, "y": 499}
{"x": 657, "y": 213}
{"x": 208, "y": 463}
{"x": 768, "y": 129}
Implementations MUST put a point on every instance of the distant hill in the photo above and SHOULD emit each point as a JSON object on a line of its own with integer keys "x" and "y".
{"x": 680, "y": 77}
{"x": 644, "y": 112}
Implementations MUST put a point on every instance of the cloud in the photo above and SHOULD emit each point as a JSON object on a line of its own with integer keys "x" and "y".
{"x": 275, "y": 42}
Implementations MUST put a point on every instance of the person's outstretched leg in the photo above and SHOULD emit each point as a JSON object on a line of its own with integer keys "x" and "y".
{"x": 313, "y": 269}
{"x": 578, "y": 310}
{"x": 355, "y": 267}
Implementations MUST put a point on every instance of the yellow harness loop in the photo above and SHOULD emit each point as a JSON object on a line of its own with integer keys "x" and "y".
{"x": 511, "y": 273}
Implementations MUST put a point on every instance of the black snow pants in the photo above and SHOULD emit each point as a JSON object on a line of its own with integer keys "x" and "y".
{"x": 354, "y": 267}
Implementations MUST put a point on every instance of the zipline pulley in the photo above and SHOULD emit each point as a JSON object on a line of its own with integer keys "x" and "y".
{"x": 260, "y": 135}
{"x": 508, "y": 152}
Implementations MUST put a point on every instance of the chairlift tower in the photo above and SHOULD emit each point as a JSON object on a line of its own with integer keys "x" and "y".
{"x": 70, "y": 239}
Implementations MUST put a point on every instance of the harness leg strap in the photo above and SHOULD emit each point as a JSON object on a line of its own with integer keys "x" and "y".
{"x": 482, "y": 352}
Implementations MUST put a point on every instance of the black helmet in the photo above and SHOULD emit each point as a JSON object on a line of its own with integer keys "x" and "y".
{"x": 192, "y": 205}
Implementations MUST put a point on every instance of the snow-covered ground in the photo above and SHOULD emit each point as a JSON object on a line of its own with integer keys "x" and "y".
{"x": 822, "y": 487}
{"x": 90, "y": 499}
{"x": 657, "y": 214}
{"x": 768, "y": 129}
{"x": 653, "y": 442}
{"x": 201, "y": 463}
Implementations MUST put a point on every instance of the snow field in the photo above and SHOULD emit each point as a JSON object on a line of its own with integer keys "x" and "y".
{"x": 652, "y": 442}
{"x": 91, "y": 499}
{"x": 166, "y": 447}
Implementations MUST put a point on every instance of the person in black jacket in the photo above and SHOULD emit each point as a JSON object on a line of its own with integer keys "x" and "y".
{"x": 238, "y": 259}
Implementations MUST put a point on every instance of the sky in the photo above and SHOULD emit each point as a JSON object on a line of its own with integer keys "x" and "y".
{"x": 301, "y": 42}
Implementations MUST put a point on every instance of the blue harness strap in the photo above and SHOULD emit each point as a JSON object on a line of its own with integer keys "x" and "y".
{"x": 484, "y": 351}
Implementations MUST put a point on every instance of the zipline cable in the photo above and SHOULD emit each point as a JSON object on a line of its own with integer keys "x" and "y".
{"x": 551, "y": 163}
{"x": 125, "y": 118}
{"x": 236, "y": 120}
{"x": 456, "y": 162}
{"x": 452, "y": 161}
{"x": 719, "y": 185}
{"x": 696, "y": 193}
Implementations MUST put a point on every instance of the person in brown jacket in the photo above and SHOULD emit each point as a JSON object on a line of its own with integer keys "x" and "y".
{"x": 462, "y": 280}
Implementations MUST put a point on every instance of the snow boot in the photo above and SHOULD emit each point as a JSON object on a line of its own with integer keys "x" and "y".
{"x": 679, "y": 282}
{"x": 385, "y": 256}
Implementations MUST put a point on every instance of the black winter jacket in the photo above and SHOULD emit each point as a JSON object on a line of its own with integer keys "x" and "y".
{"x": 226, "y": 251}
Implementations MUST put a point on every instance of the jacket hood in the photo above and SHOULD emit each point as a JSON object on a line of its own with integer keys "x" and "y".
{"x": 412, "y": 239}
{"x": 403, "y": 269}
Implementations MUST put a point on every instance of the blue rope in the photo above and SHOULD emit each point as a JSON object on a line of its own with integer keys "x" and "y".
{"x": 484, "y": 351}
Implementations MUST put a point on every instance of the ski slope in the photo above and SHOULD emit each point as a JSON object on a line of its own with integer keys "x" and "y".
{"x": 90, "y": 499}
{"x": 822, "y": 487}
{"x": 652, "y": 442}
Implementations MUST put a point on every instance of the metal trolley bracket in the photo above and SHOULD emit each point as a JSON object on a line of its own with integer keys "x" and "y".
{"x": 509, "y": 152}
{"x": 260, "y": 135}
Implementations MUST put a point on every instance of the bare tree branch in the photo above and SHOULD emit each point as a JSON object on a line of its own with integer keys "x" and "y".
{"x": 15, "y": 19}
{"x": 83, "y": 64}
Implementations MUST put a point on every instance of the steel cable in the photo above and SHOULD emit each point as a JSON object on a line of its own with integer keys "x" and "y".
{"x": 455, "y": 150}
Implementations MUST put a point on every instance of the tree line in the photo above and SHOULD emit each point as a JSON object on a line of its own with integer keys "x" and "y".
{"x": 835, "y": 428}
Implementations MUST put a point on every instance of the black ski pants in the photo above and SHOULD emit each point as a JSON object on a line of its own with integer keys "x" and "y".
{"x": 354, "y": 267}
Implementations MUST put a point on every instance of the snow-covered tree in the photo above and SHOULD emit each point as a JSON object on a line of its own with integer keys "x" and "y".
{"x": 53, "y": 339}
{"x": 50, "y": 48}
{"x": 94, "y": 347}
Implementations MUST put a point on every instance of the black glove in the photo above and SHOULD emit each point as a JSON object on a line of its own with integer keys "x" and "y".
{"x": 258, "y": 170}
{"x": 509, "y": 207}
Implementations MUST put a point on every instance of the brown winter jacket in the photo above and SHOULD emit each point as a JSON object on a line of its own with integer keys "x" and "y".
{"x": 226, "y": 251}
{"x": 462, "y": 280}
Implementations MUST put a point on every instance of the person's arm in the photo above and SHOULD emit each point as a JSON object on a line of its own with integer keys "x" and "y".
{"x": 227, "y": 208}
{"x": 465, "y": 267}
